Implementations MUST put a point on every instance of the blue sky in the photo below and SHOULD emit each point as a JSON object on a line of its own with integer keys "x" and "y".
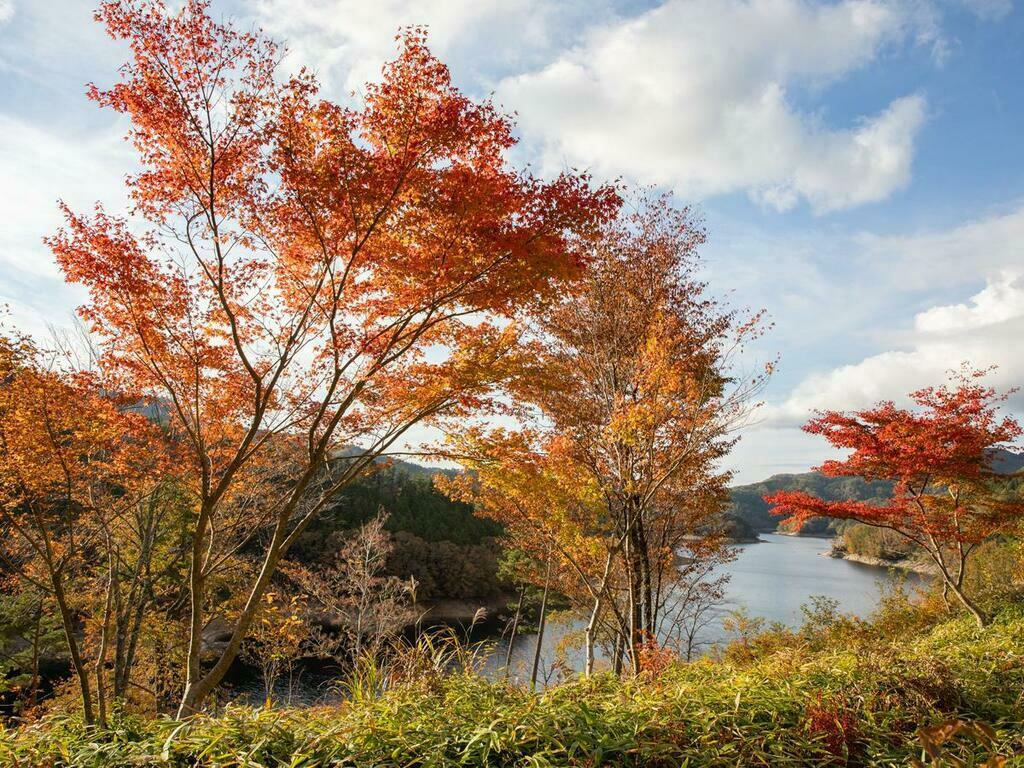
{"x": 859, "y": 163}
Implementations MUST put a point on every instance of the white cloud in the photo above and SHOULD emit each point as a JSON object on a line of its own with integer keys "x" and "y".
{"x": 38, "y": 167}
{"x": 347, "y": 41}
{"x": 843, "y": 169}
{"x": 889, "y": 314}
{"x": 1001, "y": 300}
{"x": 981, "y": 246}
{"x": 6, "y": 10}
{"x": 983, "y": 331}
{"x": 695, "y": 94}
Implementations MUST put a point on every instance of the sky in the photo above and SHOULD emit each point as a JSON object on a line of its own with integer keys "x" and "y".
{"x": 859, "y": 164}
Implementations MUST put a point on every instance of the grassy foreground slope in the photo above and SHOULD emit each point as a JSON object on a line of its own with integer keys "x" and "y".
{"x": 845, "y": 693}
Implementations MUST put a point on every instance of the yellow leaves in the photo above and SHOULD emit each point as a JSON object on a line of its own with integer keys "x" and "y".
{"x": 280, "y": 627}
{"x": 935, "y": 738}
{"x": 526, "y": 481}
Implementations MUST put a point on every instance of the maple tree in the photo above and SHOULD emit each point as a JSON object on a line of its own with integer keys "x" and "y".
{"x": 82, "y": 484}
{"x": 629, "y": 390}
{"x": 297, "y": 276}
{"x": 938, "y": 455}
{"x": 548, "y": 509}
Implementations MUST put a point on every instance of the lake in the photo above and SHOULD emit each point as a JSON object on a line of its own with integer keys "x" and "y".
{"x": 771, "y": 579}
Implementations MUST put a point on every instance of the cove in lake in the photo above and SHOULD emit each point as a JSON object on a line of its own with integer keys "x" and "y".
{"x": 770, "y": 579}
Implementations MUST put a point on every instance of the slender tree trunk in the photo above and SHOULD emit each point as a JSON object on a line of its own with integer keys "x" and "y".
{"x": 633, "y": 607}
{"x": 955, "y": 585}
{"x": 200, "y": 685}
{"x": 618, "y": 651}
{"x": 101, "y": 656}
{"x": 127, "y": 662}
{"x": 589, "y": 638}
{"x": 515, "y": 629}
{"x": 192, "y": 695}
{"x": 33, "y": 688}
{"x": 945, "y": 595}
{"x": 646, "y": 584}
{"x": 541, "y": 624}
{"x": 970, "y": 605}
{"x": 595, "y": 613}
{"x": 195, "y": 690}
{"x": 77, "y": 662}
{"x": 690, "y": 637}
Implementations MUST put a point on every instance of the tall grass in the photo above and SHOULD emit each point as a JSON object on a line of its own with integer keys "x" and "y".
{"x": 848, "y": 693}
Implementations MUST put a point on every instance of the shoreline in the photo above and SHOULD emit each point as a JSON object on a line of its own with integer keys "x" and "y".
{"x": 912, "y": 566}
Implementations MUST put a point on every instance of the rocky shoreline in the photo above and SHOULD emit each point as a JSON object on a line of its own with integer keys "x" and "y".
{"x": 839, "y": 552}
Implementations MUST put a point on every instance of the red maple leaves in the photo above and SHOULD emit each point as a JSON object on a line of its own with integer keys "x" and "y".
{"x": 939, "y": 457}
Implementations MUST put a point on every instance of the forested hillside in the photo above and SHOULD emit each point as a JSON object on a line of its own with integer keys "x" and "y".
{"x": 450, "y": 552}
{"x": 749, "y": 507}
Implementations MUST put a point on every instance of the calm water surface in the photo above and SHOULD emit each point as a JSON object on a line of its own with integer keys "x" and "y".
{"x": 770, "y": 579}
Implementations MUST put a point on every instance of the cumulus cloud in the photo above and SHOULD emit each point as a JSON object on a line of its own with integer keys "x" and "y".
{"x": 347, "y": 41}
{"x": 981, "y": 246}
{"x": 696, "y": 94}
{"x": 984, "y": 331}
{"x": 6, "y": 10}
{"x": 38, "y": 166}
{"x": 1000, "y": 301}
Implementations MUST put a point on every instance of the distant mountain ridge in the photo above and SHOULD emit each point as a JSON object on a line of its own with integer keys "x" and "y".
{"x": 747, "y": 503}
{"x": 748, "y": 514}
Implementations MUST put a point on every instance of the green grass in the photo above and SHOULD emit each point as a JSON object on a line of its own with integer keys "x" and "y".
{"x": 851, "y": 694}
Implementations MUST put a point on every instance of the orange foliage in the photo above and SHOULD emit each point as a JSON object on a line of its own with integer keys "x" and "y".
{"x": 629, "y": 398}
{"x": 298, "y": 276}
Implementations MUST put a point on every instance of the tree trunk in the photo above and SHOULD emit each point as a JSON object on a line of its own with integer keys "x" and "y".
{"x": 101, "y": 656}
{"x": 192, "y": 696}
{"x": 77, "y": 663}
{"x": 945, "y": 595}
{"x": 956, "y": 587}
{"x": 595, "y": 613}
{"x": 126, "y": 663}
{"x": 646, "y": 584}
{"x": 617, "y": 660}
{"x": 198, "y": 685}
{"x": 633, "y": 612}
{"x": 972, "y": 607}
{"x": 540, "y": 627}
{"x": 33, "y": 688}
{"x": 588, "y": 669}
{"x": 195, "y": 690}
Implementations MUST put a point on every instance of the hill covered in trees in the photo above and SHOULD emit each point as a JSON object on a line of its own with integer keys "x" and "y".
{"x": 449, "y": 551}
{"x": 748, "y": 506}
{"x": 751, "y": 511}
